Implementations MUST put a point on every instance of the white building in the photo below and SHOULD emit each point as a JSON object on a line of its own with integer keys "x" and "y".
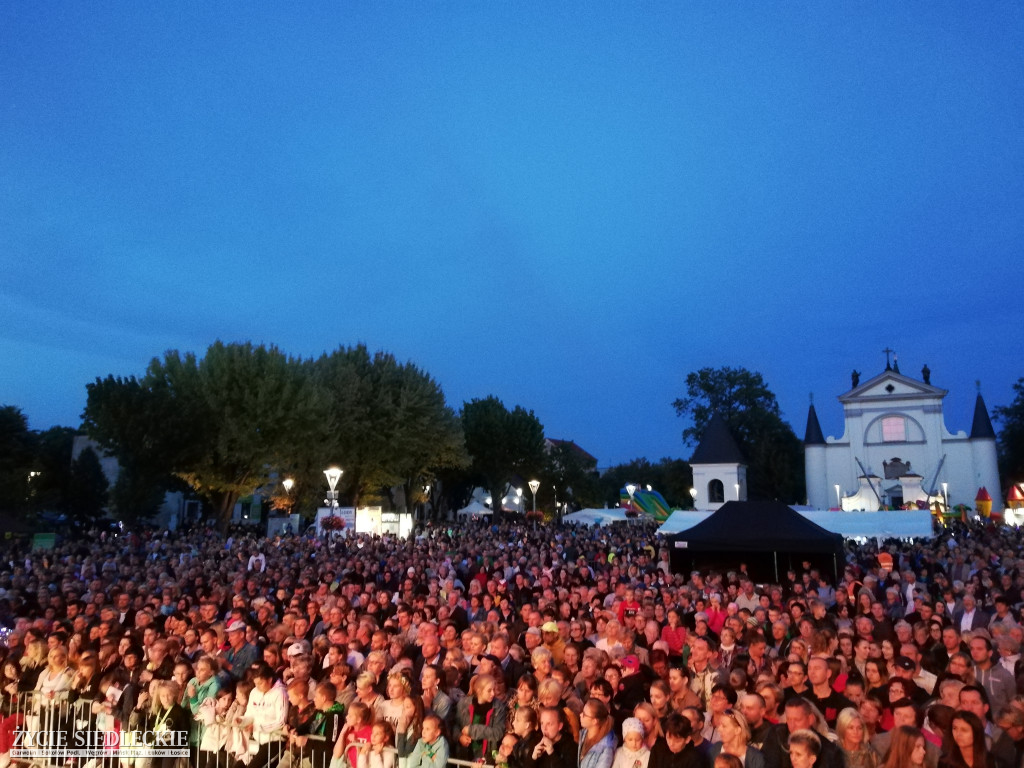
{"x": 896, "y": 450}
{"x": 719, "y": 468}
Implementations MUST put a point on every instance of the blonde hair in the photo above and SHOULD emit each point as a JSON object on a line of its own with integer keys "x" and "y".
{"x": 845, "y": 719}
{"x": 156, "y": 688}
{"x": 35, "y": 654}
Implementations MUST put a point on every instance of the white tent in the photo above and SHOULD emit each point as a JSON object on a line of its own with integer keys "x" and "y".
{"x": 899, "y": 524}
{"x": 596, "y": 516}
{"x": 474, "y": 508}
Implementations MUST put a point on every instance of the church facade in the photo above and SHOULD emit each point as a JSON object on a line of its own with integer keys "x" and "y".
{"x": 896, "y": 449}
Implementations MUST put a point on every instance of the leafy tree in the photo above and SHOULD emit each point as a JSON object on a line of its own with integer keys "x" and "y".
{"x": 87, "y": 490}
{"x": 573, "y": 475}
{"x": 501, "y": 444}
{"x": 253, "y": 408}
{"x": 392, "y": 426}
{"x": 147, "y": 429}
{"x": 1011, "y": 436}
{"x": 51, "y": 487}
{"x": 775, "y": 467}
{"x": 222, "y": 424}
{"x": 16, "y": 459}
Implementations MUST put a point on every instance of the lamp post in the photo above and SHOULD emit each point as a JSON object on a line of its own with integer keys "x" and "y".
{"x": 288, "y": 483}
{"x": 839, "y": 498}
{"x": 534, "y": 487}
{"x": 945, "y": 496}
{"x": 693, "y": 496}
{"x": 333, "y": 475}
{"x": 737, "y": 487}
{"x": 426, "y": 500}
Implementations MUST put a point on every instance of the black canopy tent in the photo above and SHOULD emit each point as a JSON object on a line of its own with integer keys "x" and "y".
{"x": 766, "y": 535}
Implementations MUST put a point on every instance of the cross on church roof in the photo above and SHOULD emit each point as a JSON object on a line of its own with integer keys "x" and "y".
{"x": 888, "y": 364}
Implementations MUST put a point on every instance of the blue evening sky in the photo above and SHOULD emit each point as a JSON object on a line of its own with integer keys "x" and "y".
{"x": 567, "y": 205}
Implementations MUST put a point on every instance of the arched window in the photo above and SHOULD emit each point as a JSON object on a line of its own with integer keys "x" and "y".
{"x": 894, "y": 429}
{"x": 716, "y": 492}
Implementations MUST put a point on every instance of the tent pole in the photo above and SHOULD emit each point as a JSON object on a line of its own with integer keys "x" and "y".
{"x": 775, "y": 556}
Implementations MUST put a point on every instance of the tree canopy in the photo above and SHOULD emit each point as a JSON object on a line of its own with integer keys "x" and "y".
{"x": 502, "y": 444}
{"x": 244, "y": 416}
{"x": 1011, "y": 436}
{"x": 775, "y": 469}
{"x": 16, "y": 459}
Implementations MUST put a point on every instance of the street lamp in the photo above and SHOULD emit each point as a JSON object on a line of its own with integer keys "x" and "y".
{"x": 839, "y": 497}
{"x": 693, "y": 496}
{"x": 534, "y": 487}
{"x": 945, "y": 495}
{"x": 288, "y": 484}
{"x": 333, "y": 475}
{"x": 737, "y": 487}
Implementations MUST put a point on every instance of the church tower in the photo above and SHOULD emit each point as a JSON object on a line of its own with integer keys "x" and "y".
{"x": 719, "y": 467}
{"x": 983, "y": 453}
{"x": 815, "y": 470}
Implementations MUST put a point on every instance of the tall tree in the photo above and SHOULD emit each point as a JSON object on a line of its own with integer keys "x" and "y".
{"x": 16, "y": 459}
{"x": 501, "y": 443}
{"x": 148, "y": 429}
{"x": 87, "y": 490}
{"x": 573, "y": 475}
{"x": 1011, "y": 436}
{"x": 223, "y": 424}
{"x": 51, "y": 487}
{"x": 774, "y": 453}
{"x": 255, "y": 408}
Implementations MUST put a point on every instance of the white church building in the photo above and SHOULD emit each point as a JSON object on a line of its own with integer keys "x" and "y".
{"x": 896, "y": 449}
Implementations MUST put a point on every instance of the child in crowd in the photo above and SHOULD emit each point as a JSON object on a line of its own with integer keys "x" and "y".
{"x": 431, "y": 751}
{"x": 356, "y": 732}
{"x": 633, "y": 753}
{"x": 380, "y": 752}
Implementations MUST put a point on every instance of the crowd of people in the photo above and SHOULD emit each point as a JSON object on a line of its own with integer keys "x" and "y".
{"x": 531, "y": 647}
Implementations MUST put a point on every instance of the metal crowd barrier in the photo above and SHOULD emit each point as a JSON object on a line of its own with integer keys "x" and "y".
{"x": 213, "y": 745}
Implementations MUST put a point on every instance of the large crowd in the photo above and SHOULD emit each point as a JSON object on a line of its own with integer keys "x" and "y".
{"x": 521, "y": 646}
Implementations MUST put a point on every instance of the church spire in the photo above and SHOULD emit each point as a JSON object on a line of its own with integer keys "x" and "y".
{"x": 813, "y": 435}
{"x": 981, "y": 427}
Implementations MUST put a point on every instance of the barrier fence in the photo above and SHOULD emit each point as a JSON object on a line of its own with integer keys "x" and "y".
{"x": 40, "y": 730}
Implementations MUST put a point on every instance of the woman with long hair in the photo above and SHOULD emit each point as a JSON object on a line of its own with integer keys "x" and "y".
{"x": 645, "y": 713}
{"x": 480, "y": 720}
{"x": 853, "y": 740}
{"x": 660, "y": 697}
{"x": 33, "y": 661}
{"x": 906, "y": 750}
{"x": 967, "y": 749}
{"x": 876, "y": 676}
{"x": 888, "y": 649}
{"x": 597, "y": 736}
{"x": 735, "y": 732}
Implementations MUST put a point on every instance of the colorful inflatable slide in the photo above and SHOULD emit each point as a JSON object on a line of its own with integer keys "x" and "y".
{"x": 650, "y": 503}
